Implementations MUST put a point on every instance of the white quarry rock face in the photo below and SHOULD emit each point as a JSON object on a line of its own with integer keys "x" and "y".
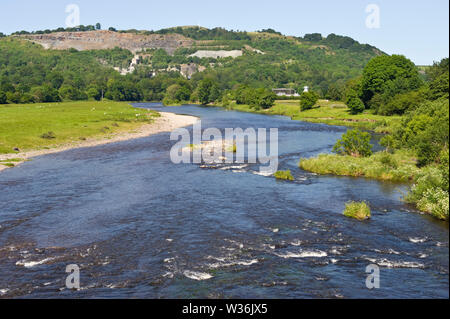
{"x": 217, "y": 54}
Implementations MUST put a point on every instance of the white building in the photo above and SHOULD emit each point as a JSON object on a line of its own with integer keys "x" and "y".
{"x": 285, "y": 92}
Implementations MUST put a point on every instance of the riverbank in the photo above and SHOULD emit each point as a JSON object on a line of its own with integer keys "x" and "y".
{"x": 428, "y": 191}
{"x": 76, "y": 125}
{"x": 325, "y": 112}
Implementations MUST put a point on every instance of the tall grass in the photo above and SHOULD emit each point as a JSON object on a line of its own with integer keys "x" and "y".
{"x": 284, "y": 175}
{"x": 399, "y": 167}
{"x": 357, "y": 210}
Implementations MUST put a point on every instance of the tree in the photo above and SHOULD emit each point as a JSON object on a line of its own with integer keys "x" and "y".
{"x": 45, "y": 93}
{"x": 355, "y": 105}
{"x": 334, "y": 92}
{"x": 308, "y": 100}
{"x": 401, "y": 103}
{"x": 353, "y": 102}
{"x": 354, "y": 143}
{"x": 266, "y": 98}
{"x": 208, "y": 91}
{"x": 98, "y": 26}
{"x": 2, "y": 97}
{"x": 56, "y": 79}
{"x": 122, "y": 91}
{"x": 437, "y": 69}
{"x": 313, "y": 37}
{"x": 94, "y": 93}
{"x": 388, "y": 75}
{"x": 439, "y": 87}
{"x": 68, "y": 92}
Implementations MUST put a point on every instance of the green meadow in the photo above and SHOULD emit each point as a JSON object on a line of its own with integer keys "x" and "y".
{"x": 327, "y": 112}
{"x": 47, "y": 125}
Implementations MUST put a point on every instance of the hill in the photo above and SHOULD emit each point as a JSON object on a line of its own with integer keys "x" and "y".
{"x": 84, "y": 62}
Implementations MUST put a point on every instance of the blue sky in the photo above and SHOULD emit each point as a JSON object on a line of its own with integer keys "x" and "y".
{"x": 415, "y": 28}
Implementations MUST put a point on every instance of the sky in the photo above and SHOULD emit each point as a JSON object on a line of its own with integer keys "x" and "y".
{"x": 417, "y": 29}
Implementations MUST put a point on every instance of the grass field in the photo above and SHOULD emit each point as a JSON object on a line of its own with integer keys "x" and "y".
{"x": 327, "y": 112}
{"x": 45, "y": 125}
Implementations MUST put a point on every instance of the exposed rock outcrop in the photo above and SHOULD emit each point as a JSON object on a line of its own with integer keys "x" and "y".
{"x": 95, "y": 40}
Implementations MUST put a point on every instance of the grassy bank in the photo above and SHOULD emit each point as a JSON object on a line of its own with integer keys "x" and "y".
{"x": 428, "y": 192}
{"x": 327, "y": 112}
{"x": 47, "y": 125}
{"x": 399, "y": 167}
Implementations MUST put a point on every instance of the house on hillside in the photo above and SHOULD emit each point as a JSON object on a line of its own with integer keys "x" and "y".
{"x": 285, "y": 92}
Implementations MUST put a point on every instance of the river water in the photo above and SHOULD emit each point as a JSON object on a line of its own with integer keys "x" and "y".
{"x": 139, "y": 226}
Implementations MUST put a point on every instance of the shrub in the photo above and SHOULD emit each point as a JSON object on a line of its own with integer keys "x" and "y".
{"x": 49, "y": 135}
{"x": 429, "y": 193}
{"x": 357, "y": 210}
{"x": 355, "y": 105}
{"x": 354, "y": 143}
{"x": 308, "y": 100}
{"x": 388, "y": 160}
{"x": 284, "y": 175}
{"x": 444, "y": 168}
{"x": 401, "y": 103}
{"x": 435, "y": 202}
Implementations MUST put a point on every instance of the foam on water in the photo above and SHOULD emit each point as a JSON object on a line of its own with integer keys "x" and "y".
{"x": 303, "y": 254}
{"x": 197, "y": 275}
{"x": 395, "y": 264}
{"x": 30, "y": 264}
{"x": 416, "y": 240}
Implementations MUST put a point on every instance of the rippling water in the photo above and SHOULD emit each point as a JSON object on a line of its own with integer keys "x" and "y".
{"x": 139, "y": 226}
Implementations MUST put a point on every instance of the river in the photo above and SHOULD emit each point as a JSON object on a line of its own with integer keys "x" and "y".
{"x": 139, "y": 226}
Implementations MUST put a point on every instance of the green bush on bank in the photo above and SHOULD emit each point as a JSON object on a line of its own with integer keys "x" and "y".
{"x": 354, "y": 143}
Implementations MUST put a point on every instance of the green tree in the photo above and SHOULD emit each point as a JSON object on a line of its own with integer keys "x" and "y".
{"x": 208, "y": 91}
{"x": 353, "y": 102}
{"x": 2, "y": 97}
{"x": 94, "y": 93}
{"x": 308, "y": 100}
{"x": 354, "y": 143}
{"x": 68, "y": 92}
{"x": 388, "y": 75}
{"x": 439, "y": 87}
{"x": 45, "y": 93}
{"x": 266, "y": 98}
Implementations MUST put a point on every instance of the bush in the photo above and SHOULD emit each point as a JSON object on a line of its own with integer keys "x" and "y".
{"x": 49, "y": 135}
{"x": 357, "y": 210}
{"x": 284, "y": 175}
{"x": 444, "y": 168}
{"x": 429, "y": 193}
{"x": 308, "y": 100}
{"x": 354, "y": 143}
{"x": 355, "y": 105}
{"x": 256, "y": 98}
{"x": 401, "y": 103}
{"x": 388, "y": 160}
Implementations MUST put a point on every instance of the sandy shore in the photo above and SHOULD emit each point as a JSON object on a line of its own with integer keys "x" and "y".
{"x": 166, "y": 123}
